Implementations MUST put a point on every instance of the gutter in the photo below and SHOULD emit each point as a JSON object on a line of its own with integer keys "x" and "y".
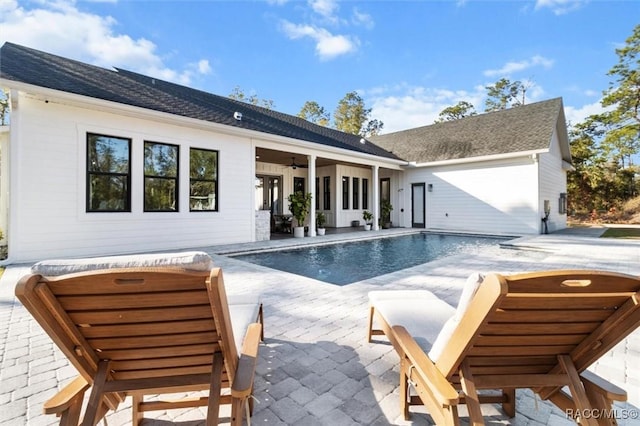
{"x": 532, "y": 153}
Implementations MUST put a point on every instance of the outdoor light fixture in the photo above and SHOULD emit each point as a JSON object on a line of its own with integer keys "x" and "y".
{"x": 430, "y": 187}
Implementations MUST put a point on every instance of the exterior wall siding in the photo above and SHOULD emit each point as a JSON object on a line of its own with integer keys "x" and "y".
{"x": 49, "y": 188}
{"x": 498, "y": 197}
{"x": 553, "y": 182}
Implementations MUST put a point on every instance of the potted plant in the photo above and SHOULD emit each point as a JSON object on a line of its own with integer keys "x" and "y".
{"x": 320, "y": 221}
{"x": 299, "y": 204}
{"x": 368, "y": 217}
{"x": 385, "y": 213}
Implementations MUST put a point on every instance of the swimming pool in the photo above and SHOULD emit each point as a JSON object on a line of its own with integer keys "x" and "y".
{"x": 346, "y": 263}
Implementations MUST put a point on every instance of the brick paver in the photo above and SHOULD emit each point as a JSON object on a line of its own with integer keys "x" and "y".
{"x": 315, "y": 366}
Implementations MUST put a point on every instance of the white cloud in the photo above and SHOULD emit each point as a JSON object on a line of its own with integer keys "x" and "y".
{"x": 403, "y": 106}
{"x": 362, "y": 19}
{"x": 578, "y": 115}
{"x": 512, "y": 67}
{"x": 328, "y": 46}
{"x": 560, "y": 7}
{"x": 85, "y": 37}
{"x": 325, "y": 8}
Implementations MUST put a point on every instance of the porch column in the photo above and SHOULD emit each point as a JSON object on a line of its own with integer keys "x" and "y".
{"x": 376, "y": 197}
{"x": 312, "y": 189}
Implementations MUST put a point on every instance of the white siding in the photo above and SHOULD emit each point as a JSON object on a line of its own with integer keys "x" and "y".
{"x": 49, "y": 187}
{"x": 498, "y": 197}
{"x": 553, "y": 181}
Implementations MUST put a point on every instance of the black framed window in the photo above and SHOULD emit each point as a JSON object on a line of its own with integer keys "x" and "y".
{"x": 298, "y": 184}
{"x": 365, "y": 194}
{"x": 317, "y": 193}
{"x": 108, "y": 173}
{"x": 345, "y": 193}
{"x": 203, "y": 180}
{"x": 160, "y": 177}
{"x": 327, "y": 192}
{"x": 355, "y": 203}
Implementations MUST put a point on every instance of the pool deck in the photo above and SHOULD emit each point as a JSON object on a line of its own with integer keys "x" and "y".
{"x": 316, "y": 366}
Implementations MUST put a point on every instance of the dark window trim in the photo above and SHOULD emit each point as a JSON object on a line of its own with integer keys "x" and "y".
{"x": 345, "y": 193}
{"x": 215, "y": 181}
{"x": 176, "y": 179}
{"x": 327, "y": 192}
{"x": 355, "y": 202}
{"x": 317, "y": 193}
{"x": 127, "y": 207}
{"x": 365, "y": 193}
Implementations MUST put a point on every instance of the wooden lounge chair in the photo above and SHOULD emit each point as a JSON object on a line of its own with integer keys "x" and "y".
{"x": 537, "y": 330}
{"x": 140, "y": 331}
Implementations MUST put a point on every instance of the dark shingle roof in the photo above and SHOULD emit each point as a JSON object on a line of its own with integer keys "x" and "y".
{"x": 519, "y": 129}
{"x": 22, "y": 64}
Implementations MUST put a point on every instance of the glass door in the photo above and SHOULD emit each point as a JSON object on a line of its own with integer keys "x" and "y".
{"x": 417, "y": 205}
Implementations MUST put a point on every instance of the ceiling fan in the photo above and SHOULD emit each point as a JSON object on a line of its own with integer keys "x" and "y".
{"x": 294, "y": 166}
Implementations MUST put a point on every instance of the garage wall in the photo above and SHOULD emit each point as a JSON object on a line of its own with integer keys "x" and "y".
{"x": 499, "y": 197}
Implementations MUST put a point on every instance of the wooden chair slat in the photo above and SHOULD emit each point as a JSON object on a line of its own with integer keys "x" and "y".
{"x": 133, "y": 300}
{"x": 127, "y": 316}
{"x": 148, "y": 329}
{"x": 549, "y": 316}
{"x": 154, "y": 363}
{"x": 530, "y": 340}
{"x": 142, "y": 342}
{"x": 160, "y": 352}
{"x": 539, "y": 329}
{"x": 567, "y": 302}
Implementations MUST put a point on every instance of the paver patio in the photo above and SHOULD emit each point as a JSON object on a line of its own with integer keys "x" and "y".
{"x": 315, "y": 366}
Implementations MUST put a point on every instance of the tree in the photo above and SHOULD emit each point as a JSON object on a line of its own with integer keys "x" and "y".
{"x": 313, "y": 112}
{"x": 351, "y": 116}
{"x": 4, "y": 107}
{"x": 623, "y": 138}
{"x": 460, "y": 110}
{"x": 239, "y": 95}
{"x": 503, "y": 94}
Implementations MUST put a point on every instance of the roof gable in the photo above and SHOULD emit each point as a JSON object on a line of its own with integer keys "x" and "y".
{"x": 519, "y": 129}
{"x": 30, "y": 66}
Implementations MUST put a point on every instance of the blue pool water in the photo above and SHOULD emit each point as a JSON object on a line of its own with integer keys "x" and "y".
{"x": 346, "y": 263}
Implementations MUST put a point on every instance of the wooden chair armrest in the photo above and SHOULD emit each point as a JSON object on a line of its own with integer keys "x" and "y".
{"x": 603, "y": 387}
{"x": 61, "y": 401}
{"x": 441, "y": 388}
{"x": 243, "y": 380}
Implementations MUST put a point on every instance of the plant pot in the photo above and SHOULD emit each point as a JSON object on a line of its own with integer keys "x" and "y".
{"x": 386, "y": 225}
{"x": 367, "y": 227}
{"x": 321, "y": 231}
{"x": 298, "y": 232}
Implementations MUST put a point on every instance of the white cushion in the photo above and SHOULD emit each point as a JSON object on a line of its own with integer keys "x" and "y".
{"x": 193, "y": 261}
{"x": 421, "y": 312}
{"x": 470, "y": 289}
{"x": 243, "y": 311}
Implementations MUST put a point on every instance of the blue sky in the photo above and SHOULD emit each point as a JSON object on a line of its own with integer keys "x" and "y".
{"x": 407, "y": 59}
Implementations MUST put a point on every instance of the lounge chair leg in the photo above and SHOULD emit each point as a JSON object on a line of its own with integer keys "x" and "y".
{"x": 213, "y": 408}
{"x": 136, "y": 406}
{"x": 92, "y": 414}
{"x": 578, "y": 392}
{"x": 404, "y": 388}
{"x": 237, "y": 405}
{"x": 370, "y": 330}
{"x": 509, "y": 404}
{"x": 471, "y": 395}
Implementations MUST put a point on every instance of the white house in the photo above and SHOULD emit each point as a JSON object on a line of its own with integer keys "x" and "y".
{"x": 99, "y": 161}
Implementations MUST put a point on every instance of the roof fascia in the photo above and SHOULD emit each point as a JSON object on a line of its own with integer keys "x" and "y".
{"x": 480, "y": 159}
{"x": 71, "y": 99}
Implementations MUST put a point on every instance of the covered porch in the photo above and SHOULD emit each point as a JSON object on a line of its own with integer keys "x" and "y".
{"x": 341, "y": 187}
